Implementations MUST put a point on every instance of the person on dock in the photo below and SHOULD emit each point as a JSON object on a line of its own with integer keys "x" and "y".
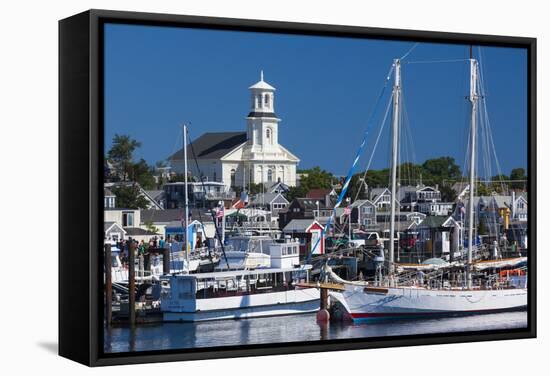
{"x": 141, "y": 248}
{"x": 161, "y": 242}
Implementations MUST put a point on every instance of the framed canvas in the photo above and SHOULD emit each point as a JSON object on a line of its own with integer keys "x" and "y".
{"x": 235, "y": 187}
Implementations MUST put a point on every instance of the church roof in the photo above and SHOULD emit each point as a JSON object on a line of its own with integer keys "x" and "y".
{"x": 262, "y": 85}
{"x": 212, "y": 145}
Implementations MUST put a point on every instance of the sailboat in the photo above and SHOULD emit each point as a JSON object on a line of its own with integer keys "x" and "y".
{"x": 403, "y": 295}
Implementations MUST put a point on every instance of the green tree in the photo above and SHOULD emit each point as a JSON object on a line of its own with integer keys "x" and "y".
{"x": 143, "y": 174}
{"x": 151, "y": 227}
{"x": 439, "y": 169}
{"x": 498, "y": 184}
{"x": 316, "y": 178}
{"x": 410, "y": 173}
{"x": 448, "y": 194}
{"x": 130, "y": 197}
{"x": 121, "y": 154}
{"x": 378, "y": 178}
{"x": 483, "y": 189}
{"x": 295, "y": 192}
{"x": 518, "y": 174}
{"x": 255, "y": 188}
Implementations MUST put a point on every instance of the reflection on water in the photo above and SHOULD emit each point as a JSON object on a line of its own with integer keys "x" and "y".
{"x": 295, "y": 328}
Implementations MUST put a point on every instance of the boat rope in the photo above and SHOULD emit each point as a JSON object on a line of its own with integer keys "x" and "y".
{"x": 351, "y": 171}
{"x": 408, "y": 52}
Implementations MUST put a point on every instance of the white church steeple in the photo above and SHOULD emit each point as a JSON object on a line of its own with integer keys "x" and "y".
{"x": 262, "y": 95}
{"x": 262, "y": 123}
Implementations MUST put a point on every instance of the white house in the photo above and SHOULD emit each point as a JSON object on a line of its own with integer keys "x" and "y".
{"x": 240, "y": 158}
{"x": 519, "y": 207}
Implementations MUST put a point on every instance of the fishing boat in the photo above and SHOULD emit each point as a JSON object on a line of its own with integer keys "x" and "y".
{"x": 243, "y": 293}
{"x": 453, "y": 288}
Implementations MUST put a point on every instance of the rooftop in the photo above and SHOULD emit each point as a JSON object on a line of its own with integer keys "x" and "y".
{"x": 212, "y": 145}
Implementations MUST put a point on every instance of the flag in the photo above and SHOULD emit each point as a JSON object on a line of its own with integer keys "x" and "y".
{"x": 220, "y": 213}
{"x": 347, "y": 210}
{"x": 244, "y": 198}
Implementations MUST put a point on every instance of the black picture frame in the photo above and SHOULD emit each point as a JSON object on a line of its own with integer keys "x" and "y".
{"x": 80, "y": 185}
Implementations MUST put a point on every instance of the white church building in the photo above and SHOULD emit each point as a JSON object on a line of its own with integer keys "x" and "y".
{"x": 241, "y": 158}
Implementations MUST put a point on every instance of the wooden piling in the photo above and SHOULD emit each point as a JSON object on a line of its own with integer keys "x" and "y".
{"x": 166, "y": 261}
{"x": 132, "y": 283}
{"x": 147, "y": 262}
{"x": 324, "y": 298}
{"x": 108, "y": 285}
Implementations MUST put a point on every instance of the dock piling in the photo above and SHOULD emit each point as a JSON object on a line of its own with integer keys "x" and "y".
{"x": 108, "y": 285}
{"x": 132, "y": 283}
{"x": 166, "y": 261}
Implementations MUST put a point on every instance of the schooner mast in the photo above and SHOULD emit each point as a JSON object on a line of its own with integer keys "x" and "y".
{"x": 473, "y": 100}
{"x": 186, "y": 193}
{"x": 395, "y": 152}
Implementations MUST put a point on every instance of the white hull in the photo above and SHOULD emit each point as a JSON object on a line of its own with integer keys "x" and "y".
{"x": 246, "y": 306}
{"x": 404, "y": 302}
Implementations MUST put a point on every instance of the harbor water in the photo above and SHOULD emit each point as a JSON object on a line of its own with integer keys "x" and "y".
{"x": 297, "y": 328}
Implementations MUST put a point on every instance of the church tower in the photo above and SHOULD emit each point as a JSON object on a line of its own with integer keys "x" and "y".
{"x": 262, "y": 123}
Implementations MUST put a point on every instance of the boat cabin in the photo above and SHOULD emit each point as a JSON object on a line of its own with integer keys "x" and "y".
{"x": 195, "y": 292}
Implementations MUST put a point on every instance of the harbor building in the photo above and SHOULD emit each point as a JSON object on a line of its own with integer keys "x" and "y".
{"x": 239, "y": 159}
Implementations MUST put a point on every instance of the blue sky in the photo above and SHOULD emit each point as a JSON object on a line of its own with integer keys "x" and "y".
{"x": 158, "y": 77}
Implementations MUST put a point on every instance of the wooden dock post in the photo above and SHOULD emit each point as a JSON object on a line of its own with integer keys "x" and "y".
{"x": 147, "y": 262}
{"x": 132, "y": 283}
{"x": 108, "y": 285}
{"x": 324, "y": 298}
{"x": 165, "y": 261}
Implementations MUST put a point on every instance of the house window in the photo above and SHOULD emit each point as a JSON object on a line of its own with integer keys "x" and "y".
{"x": 127, "y": 219}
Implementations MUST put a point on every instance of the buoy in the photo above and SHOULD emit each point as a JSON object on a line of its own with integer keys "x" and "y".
{"x": 323, "y": 315}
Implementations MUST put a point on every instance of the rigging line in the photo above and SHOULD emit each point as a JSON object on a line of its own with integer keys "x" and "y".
{"x": 435, "y": 61}
{"x": 178, "y": 139}
{"x": 410, "y": 50}
{"x": 356, "y": 159}
{"x": 218, "y": 236}
{"x": 382, "y": 126}
{"x": 486, "y": 113}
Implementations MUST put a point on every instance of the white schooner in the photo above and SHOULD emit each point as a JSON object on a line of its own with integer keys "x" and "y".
{"x": 402, "y": 295}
